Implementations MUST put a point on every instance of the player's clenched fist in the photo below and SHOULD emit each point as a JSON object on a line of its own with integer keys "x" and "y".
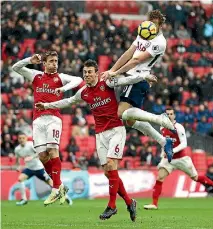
{"x": 151, "y": 78}
{"x": 40, "y": 106}
{"x": 35, "y": 59}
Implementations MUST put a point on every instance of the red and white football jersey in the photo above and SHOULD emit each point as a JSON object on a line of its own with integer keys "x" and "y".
{"x": 103, "y": 104}
{"x": 178, "y": 138}
{"x": 44, "y": 86}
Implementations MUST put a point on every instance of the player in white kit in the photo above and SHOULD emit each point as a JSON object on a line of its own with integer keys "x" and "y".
{"x": 141, "y": 57}
{"x": 33, "y": 167}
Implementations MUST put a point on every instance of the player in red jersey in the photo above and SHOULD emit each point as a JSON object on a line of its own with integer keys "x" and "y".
{"x": 179, "y": 161}
{"x": 48, "y": 86}
{"x": 110, "y": 132}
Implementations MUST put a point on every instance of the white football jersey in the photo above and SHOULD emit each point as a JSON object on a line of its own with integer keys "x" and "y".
{"x": 28, "y": 150}
{"x": 156, "y": 47}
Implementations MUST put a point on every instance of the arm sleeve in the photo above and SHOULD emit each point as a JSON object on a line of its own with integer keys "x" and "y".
{"x": 64, "y": 102}
{"x": 69, "y": 81}
{"x": 182, "y": 136}
{"x": 20, "y": 68}
{"x": 156, "y": 48}
{"x": 130, "y": 79}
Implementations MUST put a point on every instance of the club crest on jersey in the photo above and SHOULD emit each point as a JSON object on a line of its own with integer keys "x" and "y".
{"x": 102, "y": 87}
{"x": 55, "y": 79}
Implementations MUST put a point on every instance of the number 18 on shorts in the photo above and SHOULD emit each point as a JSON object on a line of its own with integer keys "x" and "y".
{"x": 110, "y": 144}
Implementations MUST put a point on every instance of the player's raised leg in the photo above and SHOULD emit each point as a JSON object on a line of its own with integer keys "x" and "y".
{"x": 162, "y": 174}
{"x": 143, "y": 127}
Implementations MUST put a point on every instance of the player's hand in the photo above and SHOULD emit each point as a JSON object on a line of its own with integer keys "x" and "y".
{"x": 35, "y": 59}
{"x": 107, "y": 75}
{"x": 40, "y": 106}
{"x": 151, "y": 79}
{"x": 58, "y": 90}
{"x": 28, "y": 158}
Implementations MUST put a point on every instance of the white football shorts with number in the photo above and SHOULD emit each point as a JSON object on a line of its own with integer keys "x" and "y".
{"x": 46, "y": 133}
{"x": 110, "y": 144}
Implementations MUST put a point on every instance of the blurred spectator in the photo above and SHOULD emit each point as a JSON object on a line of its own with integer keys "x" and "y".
{"x": 202, "y": 112}
{"x": 208, "y": 30}
{"x": 193, "y": 47}
{"x": 134, "y": 138}
{"x": 82, "y": 161}
{"x": 12, "y": 48}
{"x": 131, "y": 150}
{"x": 179, "y": 114}
{"x": 72, "y": 146}
{"x": 94, "y": 160}
{"x": 7, "y": 147}
{"x": 81, "y": 129}
{"x": 179, "y": 69}
{"x": 203, "y": 126}
{"x": 189, "y": 115}
{"x": 158, "y": 107}
{"x": 182, "y": 32}
{"x": 22, "y": 126}
{"x": 78, "y": 116}
{"x": 193, "y": 101}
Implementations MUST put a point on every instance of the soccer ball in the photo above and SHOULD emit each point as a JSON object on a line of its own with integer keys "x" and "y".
{"x": 147, "y": 30}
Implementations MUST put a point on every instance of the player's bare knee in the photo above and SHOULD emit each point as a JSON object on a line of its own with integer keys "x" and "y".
{"x": 162, "y": 174}
{"x": 53, "y": 152}
{"x": 110, "y": 164}
{"x": 44, "y": 157}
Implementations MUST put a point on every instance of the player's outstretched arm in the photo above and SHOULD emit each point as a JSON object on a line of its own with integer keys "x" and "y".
{"x": 69, "y": 82}
{"x": 133, "y": 63}
{"x": 61, "y": 103}
{"x": 20, "y": 68}
{"x": 120, "y": 62}
{"x": 121, "y": 80}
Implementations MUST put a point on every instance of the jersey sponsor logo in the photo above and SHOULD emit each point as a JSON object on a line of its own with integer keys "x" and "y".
{"x": 46, "y": 89}
{"x": 99, "y": 103}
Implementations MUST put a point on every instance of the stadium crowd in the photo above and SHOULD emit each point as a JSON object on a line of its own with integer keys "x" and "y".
{"x": 76, "y": 40}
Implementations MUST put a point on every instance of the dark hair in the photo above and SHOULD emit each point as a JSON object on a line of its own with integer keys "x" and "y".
{"x": 49, "y": 53}
{"x": 170, "y": 109}
{"x": 156, "y": 14}
{"x": 91, "y": 63}
{"x": 21, "y": 133}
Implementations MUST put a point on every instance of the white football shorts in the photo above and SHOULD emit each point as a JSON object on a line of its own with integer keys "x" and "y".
{"x": 184, "y": 164}
{"x": 110, "y": 144}
{"x": 46, "y": 133}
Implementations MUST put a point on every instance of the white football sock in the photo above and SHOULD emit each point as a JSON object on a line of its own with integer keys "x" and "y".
{"x": 22, "y": 190}
{"x": 140, "y": 115}
{"x": 148, "y": 130}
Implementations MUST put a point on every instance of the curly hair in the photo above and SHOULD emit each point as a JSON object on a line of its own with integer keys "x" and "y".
{"x": 156, "y": 14}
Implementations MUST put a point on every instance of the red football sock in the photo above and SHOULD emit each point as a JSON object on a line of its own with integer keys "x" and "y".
{"x": 48, "y": 168}
{"x": 156, "y": 192}
{"x": 122, "y": 192}
{"x": 113, "y": 187}
{"x": 56, "y": 172}
{"x": 204, "y": 180}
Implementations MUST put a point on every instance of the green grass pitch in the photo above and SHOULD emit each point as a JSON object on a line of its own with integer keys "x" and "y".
{"x": 84, "y": 214}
